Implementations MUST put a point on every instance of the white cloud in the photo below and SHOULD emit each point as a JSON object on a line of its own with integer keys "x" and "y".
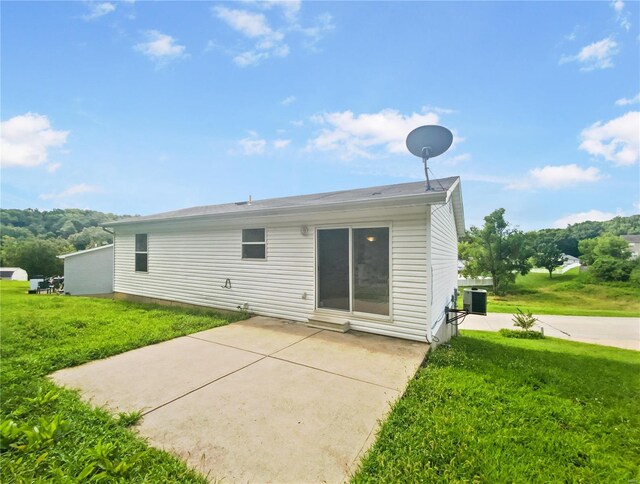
{"x": 617, "y": 5}
{"x": 281, "y": 143}
{"x": 288, "y": 101}
{"x": 252, "y": 145}
{"x": 71, "y": 191}
{"x": 247, "y": 23}
{"x": 26, "y": 140}
{"x": 367, "y": 134}
{"x": 591, "y": 215}
{"x": 315, "y": 33}
{"x": 597, "y": 55}
{"x": 53, "y": 167}
{"x": 160, "y": 48}
{"x": 269, "y": 42}
{"x": 621, "y": 16}
{"x": 626, "y": 101}
{"x": 617, "y": 140}
{"x": 97, "y": 10}
{"x": 556, "y": 177}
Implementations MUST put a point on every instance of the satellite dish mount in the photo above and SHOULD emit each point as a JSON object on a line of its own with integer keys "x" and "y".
{"x": 428, "y": 142}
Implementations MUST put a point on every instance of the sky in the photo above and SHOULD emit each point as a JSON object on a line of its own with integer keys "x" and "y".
{"x": 144, "y": 107}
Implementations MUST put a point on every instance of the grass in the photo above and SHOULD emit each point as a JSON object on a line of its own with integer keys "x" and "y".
{"x": 493, "y": 409}
{"x": 73, "y": 442}
{"x": 571, "y": 294}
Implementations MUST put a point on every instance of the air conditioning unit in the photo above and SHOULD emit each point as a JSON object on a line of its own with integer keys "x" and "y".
{"x": 475, "y": 301}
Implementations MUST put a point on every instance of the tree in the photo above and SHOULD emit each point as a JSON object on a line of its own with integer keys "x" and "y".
{"x": 547, "y": 254}
{"x": 586, "y": 251}
{"x": 36, "y": 256}
{"x": 608, "y": 258}
{"x": 495, "y": 250}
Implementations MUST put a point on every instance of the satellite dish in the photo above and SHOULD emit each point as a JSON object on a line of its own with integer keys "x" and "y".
{"x": 427, "y": 142}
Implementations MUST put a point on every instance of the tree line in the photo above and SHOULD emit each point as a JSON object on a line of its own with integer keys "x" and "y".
{"x": 501, "y": 251}
{"x": 32, "y": 239}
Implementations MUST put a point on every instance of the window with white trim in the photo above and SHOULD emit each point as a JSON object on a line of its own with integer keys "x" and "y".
{"x": 254, "y": 244}
{"x": 142, "y": 253}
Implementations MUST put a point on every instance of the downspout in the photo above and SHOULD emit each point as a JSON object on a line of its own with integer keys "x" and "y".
{"x": 429, "y": 277}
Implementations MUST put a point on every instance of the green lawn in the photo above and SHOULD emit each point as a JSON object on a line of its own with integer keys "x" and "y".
{"x": 493, "y": 409}
{"x": 41, "y": 334}
{"x": 570, "y": 294}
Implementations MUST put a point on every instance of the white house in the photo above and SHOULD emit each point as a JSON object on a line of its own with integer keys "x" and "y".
{"x": 634, "y": 244}
{"x": 13, "y": 274}
{"x": 89, "y": 272}
{"x": 380, "y": 259}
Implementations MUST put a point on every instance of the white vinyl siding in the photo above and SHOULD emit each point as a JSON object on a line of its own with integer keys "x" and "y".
{"x": 192, "y": 260}
{"x": 89, "y": 272}
{"x": 444, "y": 261}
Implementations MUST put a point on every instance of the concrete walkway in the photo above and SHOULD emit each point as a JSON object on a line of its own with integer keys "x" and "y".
{"x": 619, "y": 332}
{"x": 261, "y": 400}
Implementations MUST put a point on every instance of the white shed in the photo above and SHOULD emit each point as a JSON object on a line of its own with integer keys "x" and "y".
{"x": 380, "y": 259}
{"x": 89, "y": 272}
{"x": 13, "y": 274}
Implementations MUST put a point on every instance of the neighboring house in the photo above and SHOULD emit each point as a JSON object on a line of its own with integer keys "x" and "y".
{"x": 13, "y": 274}
{"x": 634, "y": 244}
{"x": 380, "y": 259}
{"x": 89, "y": 272}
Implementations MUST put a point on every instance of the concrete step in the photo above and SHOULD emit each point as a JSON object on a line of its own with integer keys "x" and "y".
{"x": 329, "y": 323}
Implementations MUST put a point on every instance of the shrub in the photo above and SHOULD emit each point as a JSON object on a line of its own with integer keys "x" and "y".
{"x": 607, "y": 268}
{"x": 514, "y": 333}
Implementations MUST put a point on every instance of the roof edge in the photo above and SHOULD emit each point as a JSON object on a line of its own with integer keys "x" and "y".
{"x": 426, "y": 197}
{"x": 80, "y": 252}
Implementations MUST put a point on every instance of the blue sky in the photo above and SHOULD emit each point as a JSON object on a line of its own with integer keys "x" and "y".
{"x": 143, "y": 107}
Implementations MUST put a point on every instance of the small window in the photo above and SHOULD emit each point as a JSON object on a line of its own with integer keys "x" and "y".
{"x": 254, "y": 244}
{"x": 142, "y": 252}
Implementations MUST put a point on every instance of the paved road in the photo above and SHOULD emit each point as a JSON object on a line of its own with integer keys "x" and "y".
{"x": 619, "y": 332}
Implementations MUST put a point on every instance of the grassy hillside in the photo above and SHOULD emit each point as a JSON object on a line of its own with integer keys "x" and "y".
{"x": 568, "y": 294}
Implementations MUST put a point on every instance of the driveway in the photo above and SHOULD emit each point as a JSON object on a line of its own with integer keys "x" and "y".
{"x": 262, "y": 400}
{"x": 619, "y": 332}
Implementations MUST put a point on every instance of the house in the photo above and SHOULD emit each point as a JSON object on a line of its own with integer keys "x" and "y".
{"x": 13, "y": 274}
{"x": 89, "y": 272}
{"x": 634, "y": 244}
{"x": 381, "y": 259}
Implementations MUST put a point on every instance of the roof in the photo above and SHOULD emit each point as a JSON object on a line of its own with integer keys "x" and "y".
{"x": 12, "y": 269}
{"x": 80, "y": 252}
{"x": 409, "y": 192}
{"x": 632, "y": 239}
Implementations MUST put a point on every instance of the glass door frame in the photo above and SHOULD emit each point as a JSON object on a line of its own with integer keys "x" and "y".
{"x": 351, "y": 312}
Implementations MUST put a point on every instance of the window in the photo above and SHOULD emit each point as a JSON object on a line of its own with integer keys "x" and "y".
{"x": 253, "y": 244}
{"x": 141, "y": 252}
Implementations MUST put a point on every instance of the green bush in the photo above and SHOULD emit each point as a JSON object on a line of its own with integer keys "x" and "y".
{"x": 515, "y": 333}
{"x": 607, "y": 268}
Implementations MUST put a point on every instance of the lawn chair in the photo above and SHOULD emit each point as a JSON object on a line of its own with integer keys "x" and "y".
{"x": 44, "y": 286}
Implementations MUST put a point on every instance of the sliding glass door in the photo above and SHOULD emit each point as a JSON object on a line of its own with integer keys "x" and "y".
{"x": 353, "y": 269}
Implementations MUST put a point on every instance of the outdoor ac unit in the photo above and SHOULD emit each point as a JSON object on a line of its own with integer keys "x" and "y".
{"x": 475, "y": 301}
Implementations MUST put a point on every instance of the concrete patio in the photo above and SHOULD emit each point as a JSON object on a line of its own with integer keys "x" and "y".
{"x": 262, "y": 400}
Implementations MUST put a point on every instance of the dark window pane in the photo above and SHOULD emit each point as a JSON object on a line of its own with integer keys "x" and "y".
{"x": 253, "y": 251}
{"x": 253, "y": 235}
{"x": 333, "y": 269}
{"x": 141, "y": 262}
{"x": 371, "y": 270}
{"x": 141, "y": 242}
